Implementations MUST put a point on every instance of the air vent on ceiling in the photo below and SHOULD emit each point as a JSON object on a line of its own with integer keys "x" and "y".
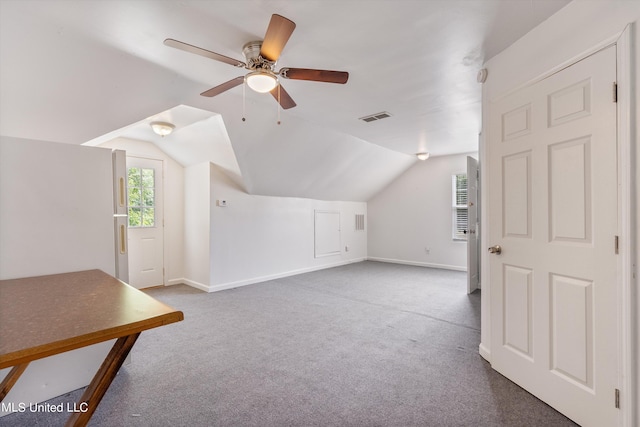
{"x": 374, "y": 117}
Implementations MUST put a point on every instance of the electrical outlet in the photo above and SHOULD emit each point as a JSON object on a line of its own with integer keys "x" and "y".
{"x": 346, "y": 248}
{"x": 222, "y": 203}
{"x": 427, "y": 251}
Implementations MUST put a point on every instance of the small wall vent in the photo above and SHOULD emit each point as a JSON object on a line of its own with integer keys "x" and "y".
{"x": 359, "y": 222}
{"x": 375, "y": 117}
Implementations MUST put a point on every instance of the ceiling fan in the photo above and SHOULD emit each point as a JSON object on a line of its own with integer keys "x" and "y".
{"x": 261, "y": 58}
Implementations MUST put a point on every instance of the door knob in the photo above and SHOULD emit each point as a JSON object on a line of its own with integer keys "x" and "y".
{"x": 497, "y": 249}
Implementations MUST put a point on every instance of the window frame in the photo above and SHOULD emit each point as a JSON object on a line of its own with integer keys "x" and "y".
{"x": 458, "y": 233}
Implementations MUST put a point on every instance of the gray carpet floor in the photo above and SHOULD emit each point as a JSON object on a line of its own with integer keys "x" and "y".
{"x": 367, "y": 344}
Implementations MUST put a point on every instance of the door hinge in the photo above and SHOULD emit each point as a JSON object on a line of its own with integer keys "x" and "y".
{"x": 617, "y": 245}
{"x": 615, "y": 92}
{"x": 617, "y": 399}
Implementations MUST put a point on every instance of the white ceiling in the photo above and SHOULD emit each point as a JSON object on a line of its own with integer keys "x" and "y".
{"x": 73, "y": 71}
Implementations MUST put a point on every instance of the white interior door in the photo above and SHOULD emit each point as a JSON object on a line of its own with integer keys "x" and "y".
{"x": 473, "y": 261}
{"x": 553, "y": 211}
{"x": 146, "y": 222}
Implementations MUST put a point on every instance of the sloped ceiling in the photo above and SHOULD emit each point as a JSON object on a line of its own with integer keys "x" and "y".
{"x": 74, "y": 71}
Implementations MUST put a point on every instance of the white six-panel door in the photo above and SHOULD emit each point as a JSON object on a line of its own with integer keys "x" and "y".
{"x": 553, "y": 211}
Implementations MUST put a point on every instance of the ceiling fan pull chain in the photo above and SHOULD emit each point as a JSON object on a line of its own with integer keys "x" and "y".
{"x": 278, "y": 104}
{"x": 243, "y": 96}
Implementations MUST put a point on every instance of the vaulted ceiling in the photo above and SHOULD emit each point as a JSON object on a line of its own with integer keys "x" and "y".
{"x": 79, "y": 71}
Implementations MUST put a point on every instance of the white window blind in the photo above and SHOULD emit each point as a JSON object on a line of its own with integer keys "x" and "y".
{"x": 459, "y": 206}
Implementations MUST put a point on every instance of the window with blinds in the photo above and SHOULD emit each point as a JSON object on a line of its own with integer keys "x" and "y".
{"x": 459, "y": 206}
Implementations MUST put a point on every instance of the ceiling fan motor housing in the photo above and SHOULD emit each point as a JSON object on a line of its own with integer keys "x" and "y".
{"x": 251, "y": 52}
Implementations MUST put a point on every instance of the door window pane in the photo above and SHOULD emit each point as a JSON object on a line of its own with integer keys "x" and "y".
{"x": 141, "y": 197}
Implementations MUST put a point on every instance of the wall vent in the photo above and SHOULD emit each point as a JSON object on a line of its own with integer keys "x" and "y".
{"x": 359, "y": 222}
{"x": 374, "y": 117}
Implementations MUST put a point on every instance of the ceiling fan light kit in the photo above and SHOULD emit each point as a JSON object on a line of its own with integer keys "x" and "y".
{"x": 261, "y": 58}
{"x": 423, "y": 155}
{"x": 261, "y": 81}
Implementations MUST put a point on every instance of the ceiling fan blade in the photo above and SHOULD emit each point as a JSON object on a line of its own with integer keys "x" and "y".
{"x": 326, "y": 76}
{"x": 223, "y": 87}
{"x": 203, "y": 52}
{"x": 283, "y": 97}
{"x": 277, "y": 35}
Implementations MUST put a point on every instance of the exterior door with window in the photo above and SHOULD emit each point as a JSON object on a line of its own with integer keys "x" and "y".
{"x": 146, "y": 222}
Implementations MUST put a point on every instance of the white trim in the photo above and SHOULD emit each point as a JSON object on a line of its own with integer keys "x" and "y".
{"x": 484, "y": 232}
{"x": 627, "y": 305}
{"x": 260, "y": 279}
{"x": 418, "y": 264}
{"x": 485, "y": 352}
{"x": 192, "y": 283}
{"x": 566, "y": 64}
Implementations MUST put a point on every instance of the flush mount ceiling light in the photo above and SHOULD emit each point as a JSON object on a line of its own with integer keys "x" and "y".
{"x": 162, "y": 128}
{"x": 262, "y": 81}
{"x": 422, "y": 156}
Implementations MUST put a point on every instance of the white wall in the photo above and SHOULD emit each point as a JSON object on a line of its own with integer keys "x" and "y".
{"x": 299, "y": 158}
{"x": 197, "y": 225}
{"x": 257, "y": 238}
{"x": 173, "y": 203}
{"x": 414, "y": 212}
{"x": 56, "y": 202}
{"x": 56, "y": 210}
{"x": 578, "y": 29}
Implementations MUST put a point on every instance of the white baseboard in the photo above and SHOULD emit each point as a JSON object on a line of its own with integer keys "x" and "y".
{"x": 191, "y": 283}
{"x": 259, "y": 279}
{"x": 419, "y": 264}
{"x": 485, "y": 352}
{"x": 254, "y": 280}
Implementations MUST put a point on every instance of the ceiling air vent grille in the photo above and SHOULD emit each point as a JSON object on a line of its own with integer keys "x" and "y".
{"x": 374, "y": 117}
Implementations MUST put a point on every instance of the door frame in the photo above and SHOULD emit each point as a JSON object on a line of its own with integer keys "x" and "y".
{"x": 473, "y": 237}
{"x": 628, "y": 310}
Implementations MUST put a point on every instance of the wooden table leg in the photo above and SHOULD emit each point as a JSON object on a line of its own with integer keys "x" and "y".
{"x": 11, "y": 379}
{"x": 101, "y": 381}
